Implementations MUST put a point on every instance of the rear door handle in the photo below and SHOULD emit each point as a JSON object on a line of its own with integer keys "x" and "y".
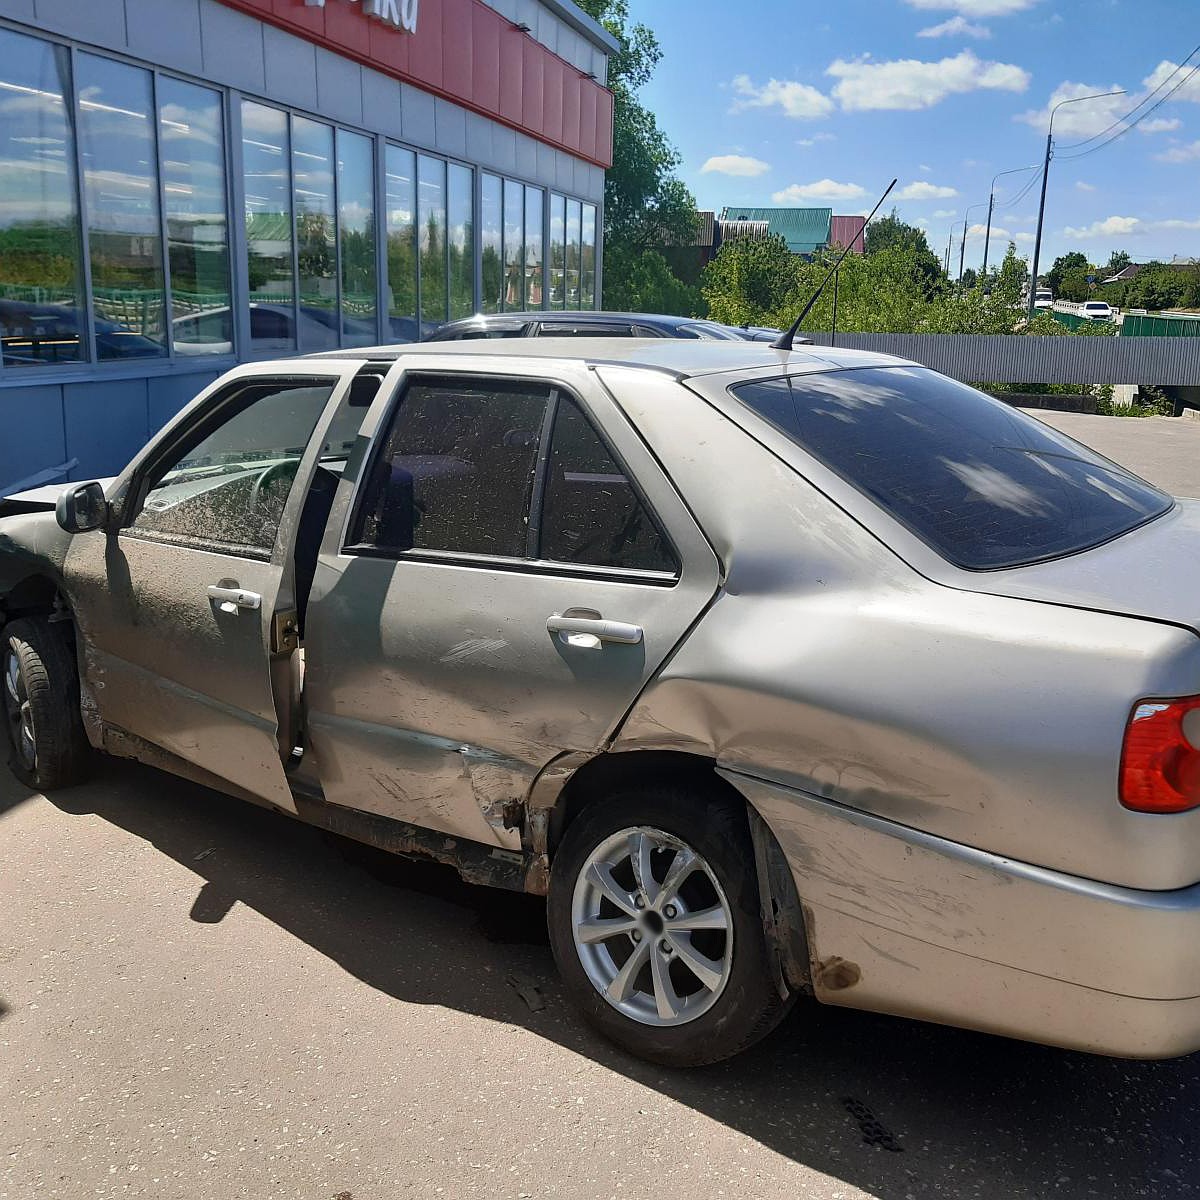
{"x": 231, "y": 599}
{"x": 589, "y": 633}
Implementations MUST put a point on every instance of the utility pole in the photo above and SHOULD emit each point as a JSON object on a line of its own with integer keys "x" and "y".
{"x": 946, "y": 260}
{"x": 987, "y": 241}
{"x": 1037, "y": 244}
{"x": 962, "y": 253}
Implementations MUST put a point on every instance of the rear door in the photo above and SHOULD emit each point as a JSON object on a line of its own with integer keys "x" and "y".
{"x": 179, "y": 608}
{"x": 501, "y": 576}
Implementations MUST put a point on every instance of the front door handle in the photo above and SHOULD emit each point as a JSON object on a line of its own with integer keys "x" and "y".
{"x": 232, "y": 599}
{"x": 589, "y": 632}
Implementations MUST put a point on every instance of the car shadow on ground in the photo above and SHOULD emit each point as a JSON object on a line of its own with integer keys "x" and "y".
{"x": 897, "y": 1108}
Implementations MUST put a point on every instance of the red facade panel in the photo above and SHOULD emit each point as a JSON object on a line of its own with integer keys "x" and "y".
{"x": 466, "y": 52}
{"x": 848, "y": 231}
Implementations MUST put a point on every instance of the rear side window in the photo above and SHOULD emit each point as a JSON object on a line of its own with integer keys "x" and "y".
{"x": 982, "y": 484}
{"x": 591, "y": 514}
{"x": 456, "y": 470}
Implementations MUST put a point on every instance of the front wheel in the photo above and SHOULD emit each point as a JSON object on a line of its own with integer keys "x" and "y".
{"x": 47, "y": 745}
{"x": 656, "y": 927}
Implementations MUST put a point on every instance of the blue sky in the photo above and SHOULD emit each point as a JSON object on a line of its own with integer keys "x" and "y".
{"x": 778, "y": 102}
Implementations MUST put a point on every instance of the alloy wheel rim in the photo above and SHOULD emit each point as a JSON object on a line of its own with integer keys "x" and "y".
{"x": 652, "y": 927}
{"x": 19, "y": 709}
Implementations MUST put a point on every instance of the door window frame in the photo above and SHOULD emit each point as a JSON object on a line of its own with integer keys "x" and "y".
{"x": 529, "y": 563}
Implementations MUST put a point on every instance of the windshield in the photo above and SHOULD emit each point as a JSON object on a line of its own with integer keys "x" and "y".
{"x": 983, "y": 484}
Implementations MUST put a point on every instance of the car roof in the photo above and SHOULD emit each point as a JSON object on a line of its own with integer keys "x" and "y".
{"x": 576, "y": 317}
{"x": 683, "y": 359}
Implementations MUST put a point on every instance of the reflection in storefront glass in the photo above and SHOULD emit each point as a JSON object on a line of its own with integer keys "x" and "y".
{"x": 514, "y": 245}
{"x": 535, "y": 296}
{"x": 116, "y": 137}
{"x": 558, "y": 262}
{"x": 356, "y": 232}
{"x": 461, "y": 232}
{"x": 587, "y": 297}
{"x": 574, "y": 237}
{"x": 431, "y": 198}
{"x": 490, "y": 224}
{"x": 191, "y": 145}
{"x": 41, "y": 314}
{"x": 316, "y": 245}
{"x": 265, "y": 158}
{"x": 401, "y": 214}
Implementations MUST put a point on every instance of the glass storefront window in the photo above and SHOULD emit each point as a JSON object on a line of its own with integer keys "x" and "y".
{"x": 117, "y": 141}
{"x": 461, "y": 237}
{"x": 431, "y": 198}
{"x": 490, "y": 225}
{"x": 574, "y": 238}
{"x": 514, "y": 246}
{"x": 535, "y": 296}
{"x": 191, "y": 146}
{"x": 265, "y": 162}
{"x": 41, "y": 308}
{"x": 356, "y": 233}
{"x": 316, "y": 244}
{"x": 401, "y": 216}
{"x": 558, "y": 262}
{"x": 587, "y": 298}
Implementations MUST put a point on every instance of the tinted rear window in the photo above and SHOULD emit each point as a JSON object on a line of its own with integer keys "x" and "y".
{"x": 986, "y": 486}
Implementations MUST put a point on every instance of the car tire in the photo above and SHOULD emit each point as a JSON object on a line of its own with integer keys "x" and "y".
{"x": 47, "y": 745}
{"x": 659, "y": 1008}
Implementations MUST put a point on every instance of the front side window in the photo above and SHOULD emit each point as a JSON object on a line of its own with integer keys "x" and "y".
{"x": 455, "y": 471}
{"x": 41, "y": 301}
{"x": 226, "y": 489}
{"x": 117, "y": 138}
{"x": 985, "y": 486}
{"x": 591, "y": 514}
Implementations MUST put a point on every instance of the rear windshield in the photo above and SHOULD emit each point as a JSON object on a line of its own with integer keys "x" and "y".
{"x": 984, "y": 485}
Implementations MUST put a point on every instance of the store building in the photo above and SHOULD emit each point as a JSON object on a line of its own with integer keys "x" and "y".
{"x": 188, "y": 184}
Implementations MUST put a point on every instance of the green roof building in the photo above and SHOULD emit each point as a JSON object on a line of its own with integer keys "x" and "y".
{"x": 806, "y": 230}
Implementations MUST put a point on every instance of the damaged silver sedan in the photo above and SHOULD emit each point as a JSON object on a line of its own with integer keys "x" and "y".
{"x": 779, "y": 673}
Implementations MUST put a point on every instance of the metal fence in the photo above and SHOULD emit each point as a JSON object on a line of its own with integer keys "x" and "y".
{"x": 1160, "y": 325}
{"x": 995, "y": 358}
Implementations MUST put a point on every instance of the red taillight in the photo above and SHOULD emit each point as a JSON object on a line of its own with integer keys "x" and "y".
{"x": 1160, "y": 763}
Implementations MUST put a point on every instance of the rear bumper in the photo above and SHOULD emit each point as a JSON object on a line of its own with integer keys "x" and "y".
{"x": 906, "y": 923}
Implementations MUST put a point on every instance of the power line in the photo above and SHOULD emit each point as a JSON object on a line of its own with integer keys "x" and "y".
{"x": 1149, "y": 96}
{"x": 1023, "y": 192}
{"x": 1133, "y": 125}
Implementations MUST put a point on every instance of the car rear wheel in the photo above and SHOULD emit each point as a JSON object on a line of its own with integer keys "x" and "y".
{"x": 47, "y": 745}
{"x": 656, "y": 927}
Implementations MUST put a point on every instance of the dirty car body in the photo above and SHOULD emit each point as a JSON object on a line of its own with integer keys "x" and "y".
{"x": 471, "y": 593}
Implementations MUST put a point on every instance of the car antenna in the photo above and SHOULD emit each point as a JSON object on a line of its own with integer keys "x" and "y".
{"x": 784, "y": 341}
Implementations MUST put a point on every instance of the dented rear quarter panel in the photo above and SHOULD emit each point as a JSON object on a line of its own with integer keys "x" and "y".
{"x": 829, "y": 664}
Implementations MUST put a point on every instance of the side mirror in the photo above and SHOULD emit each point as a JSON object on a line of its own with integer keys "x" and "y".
{"x": 82, "y": 507}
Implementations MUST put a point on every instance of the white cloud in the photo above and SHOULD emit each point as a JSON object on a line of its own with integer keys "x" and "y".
{"x": 796, "y": 100}
{"x": 1024, "y": 238}
{"x": 816, "y": 137}
{"x": 977, "y": 233}
{"x": 1085, "y": 187}
{"x": 1160, "y": 125}
{"x": 976, "y": 8}
{"x": 911, "y": 84}
{"x": 1167, "y": 70}
{"x": 1180, "y": 154}
{"x": 1174, "y": 223}
{"x": 1079, "y": 120}
{"x": 956, "y": 27}
{"x": 823, "y": 189}
{"x": 925, "y": 167}
{"x": 1109, "y": 227}
{"x": 920, "y": 190}
{"x": 941, "y": 214}
{"x": 735, "y": 164}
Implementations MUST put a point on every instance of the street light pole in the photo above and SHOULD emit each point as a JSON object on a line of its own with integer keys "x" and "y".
{"x": 1037, "y": 244}
{"x": 962, "y": 253}
{"x": 987, "y": 241}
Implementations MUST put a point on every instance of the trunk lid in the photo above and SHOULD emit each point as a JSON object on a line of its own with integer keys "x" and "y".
{"x": 1152, "y": 572}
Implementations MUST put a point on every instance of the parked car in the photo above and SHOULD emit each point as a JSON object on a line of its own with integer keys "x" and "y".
{"x": 780, "y": 673}
{"x": 587, "y": 324}
{"x": 1096, "y": 310}
{"x": 1043, "y": 298}
{"x": 51, "y": 333}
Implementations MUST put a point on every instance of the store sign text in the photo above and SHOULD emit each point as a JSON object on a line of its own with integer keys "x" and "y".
{"x": 400, "y": 14}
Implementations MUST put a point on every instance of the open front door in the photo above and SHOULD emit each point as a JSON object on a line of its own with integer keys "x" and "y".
{"x": 183, "y": 609}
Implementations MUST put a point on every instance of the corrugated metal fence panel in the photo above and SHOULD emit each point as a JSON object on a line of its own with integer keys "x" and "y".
{"x": 1160, "y": 325}
{"x": 978, "y": 358}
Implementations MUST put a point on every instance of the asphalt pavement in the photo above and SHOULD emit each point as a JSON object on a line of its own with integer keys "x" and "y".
{"x": 202, "y": 999}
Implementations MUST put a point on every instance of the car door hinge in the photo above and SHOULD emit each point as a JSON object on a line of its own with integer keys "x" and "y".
{"x": 285, "y": 633}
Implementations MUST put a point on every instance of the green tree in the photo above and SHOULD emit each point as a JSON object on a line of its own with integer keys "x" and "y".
{"x": 890, "y": 231}
{"x": 749, "y": 280}
{"x": 641, "y": 281}
{"x": 1117, "y": 262}
{"x": 1072, "y": 261}
{"x": 645, "y": 204}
